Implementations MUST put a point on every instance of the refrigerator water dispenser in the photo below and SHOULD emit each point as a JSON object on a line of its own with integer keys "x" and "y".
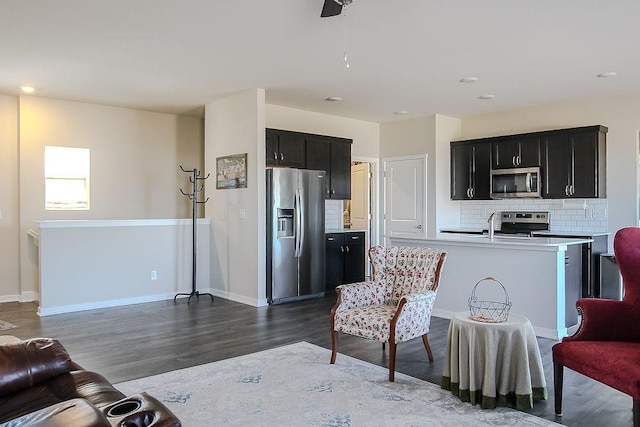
{"x": 285, "y": 222}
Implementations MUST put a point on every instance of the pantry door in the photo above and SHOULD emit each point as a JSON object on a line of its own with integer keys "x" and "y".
{"x": 404, "y": 196}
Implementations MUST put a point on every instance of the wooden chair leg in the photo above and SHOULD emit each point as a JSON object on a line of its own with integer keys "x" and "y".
{"x": 636, "y": 412}
{"x": 558, "y": 373}
{"x": 392, "y": 361}
{"x": 425, "y": 341}
{"x": 334, "y": 346}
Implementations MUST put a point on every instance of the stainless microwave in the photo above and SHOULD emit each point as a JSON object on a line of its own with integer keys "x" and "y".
{"x": 516, "y": 182}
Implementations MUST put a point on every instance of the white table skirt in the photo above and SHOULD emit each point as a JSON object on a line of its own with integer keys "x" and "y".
{"x": 494, "y": 363}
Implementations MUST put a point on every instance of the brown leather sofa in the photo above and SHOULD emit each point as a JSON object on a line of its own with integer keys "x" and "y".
{"x": 41, "y": 386}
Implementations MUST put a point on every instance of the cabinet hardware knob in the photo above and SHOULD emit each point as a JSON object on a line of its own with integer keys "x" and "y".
{"x": 347, "y": 248}
{"x": 275, "y": 156}
{"x": 333, "y": 191}
{"x": 281, "y": 156}
{"x": 419, "y": 226}
{"x": 342, "y": 249}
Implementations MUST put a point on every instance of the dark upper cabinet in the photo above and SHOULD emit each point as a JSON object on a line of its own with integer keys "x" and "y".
{"x": 345, "y": 258}
{"x": 574, "y": 163}
{"x": 284, "y": 148}
{"x": 332, "y": 155}
{"x": 520, "y": 152}
{"x": 340, "y": 170}
{"x": 470, "y": 170}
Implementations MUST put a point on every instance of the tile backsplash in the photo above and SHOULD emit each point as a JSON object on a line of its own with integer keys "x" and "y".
{"x": 333, "y": 214}
{"x": 569, "y": 215}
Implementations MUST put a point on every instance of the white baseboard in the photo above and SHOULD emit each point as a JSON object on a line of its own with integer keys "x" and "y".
{"x": 23, "y": 297}
{"x": 239, "y": 298}
{"x": 102, "y": 304}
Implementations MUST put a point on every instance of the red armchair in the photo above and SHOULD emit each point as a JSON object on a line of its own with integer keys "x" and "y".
{"x": 607, "y": 344}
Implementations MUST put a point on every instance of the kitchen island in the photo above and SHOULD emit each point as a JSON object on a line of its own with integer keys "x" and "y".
{"x": 541, "y": 275}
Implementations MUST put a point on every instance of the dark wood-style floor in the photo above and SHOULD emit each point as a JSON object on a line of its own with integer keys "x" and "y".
{"x": 130, "y": 342}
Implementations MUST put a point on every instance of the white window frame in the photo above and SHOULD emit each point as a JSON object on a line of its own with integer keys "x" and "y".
{"x": 67, "y": 167}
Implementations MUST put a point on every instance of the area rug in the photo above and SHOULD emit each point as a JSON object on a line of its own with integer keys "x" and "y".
{"x": 4, "y": 326}
{"x": 295, "y": 385}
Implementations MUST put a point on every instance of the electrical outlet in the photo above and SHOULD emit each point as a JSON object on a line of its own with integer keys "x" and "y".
{"x": 154, "y": 275}
{"x": 242, "y": 214}
{"x": 600, "y": 212}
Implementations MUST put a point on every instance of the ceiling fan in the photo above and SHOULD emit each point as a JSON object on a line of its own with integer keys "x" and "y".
{"x": 333, "y": 7}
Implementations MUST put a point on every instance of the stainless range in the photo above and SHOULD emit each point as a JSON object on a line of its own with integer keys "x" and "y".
{"x": 516, "y": 222}
{"x": 536, "y": 224}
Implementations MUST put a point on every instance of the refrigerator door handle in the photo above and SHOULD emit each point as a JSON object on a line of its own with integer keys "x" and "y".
{"x": 299, "y": 232}
{"x": 301, "y": 216}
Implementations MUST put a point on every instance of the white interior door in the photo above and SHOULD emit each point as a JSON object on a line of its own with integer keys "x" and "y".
{"x": 361, "y": 204}
{"x": 360, "y": 196}
{"x": 404, "y": 196}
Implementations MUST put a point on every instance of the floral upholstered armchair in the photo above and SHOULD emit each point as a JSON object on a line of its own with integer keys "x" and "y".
{"x": 395, "y": 306}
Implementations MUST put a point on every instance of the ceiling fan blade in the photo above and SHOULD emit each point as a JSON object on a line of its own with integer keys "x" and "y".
{"x": 330, "y": 8}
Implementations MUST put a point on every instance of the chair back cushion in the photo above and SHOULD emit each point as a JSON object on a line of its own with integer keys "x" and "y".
{"x": 626, "y": 245}
{"x": 405, "y": 270}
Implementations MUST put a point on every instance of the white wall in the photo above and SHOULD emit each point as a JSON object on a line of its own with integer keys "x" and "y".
{"x": 9, "y": 206}
{"x": 135, "y": 159}
{"x": 365, "y": 135}
{"x": 447, "y": 211}
{"x": 95, "y": 264}
{"x": 620, "y": 114}
{"x": 236, "y": 125}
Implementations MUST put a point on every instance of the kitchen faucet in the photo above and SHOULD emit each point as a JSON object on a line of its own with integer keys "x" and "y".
{"x": 491, "y": 226}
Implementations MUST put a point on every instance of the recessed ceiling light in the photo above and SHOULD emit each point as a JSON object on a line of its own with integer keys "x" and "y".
{"x": 469, "y": 80}
{"x": 607, "y": 75}
{"x": 27, "y": 89}
{"x": 486, "y": 96}
{"x": 333, "y": 99}
{"x": 401, "y": 112}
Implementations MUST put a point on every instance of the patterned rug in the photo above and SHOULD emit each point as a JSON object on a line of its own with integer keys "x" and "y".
{"x": 4, "y": 326}
{"x": 295, "y": 385}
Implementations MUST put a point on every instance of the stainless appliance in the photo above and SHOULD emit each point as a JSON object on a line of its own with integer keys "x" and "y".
{"x": 536, "y": 224}
{"x": 516, "y": 182}
{"x": 516, "y": 222}
{"x": 295, "y": 234}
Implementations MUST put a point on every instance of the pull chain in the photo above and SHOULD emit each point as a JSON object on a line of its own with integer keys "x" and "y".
{"x": 346, "y": 37}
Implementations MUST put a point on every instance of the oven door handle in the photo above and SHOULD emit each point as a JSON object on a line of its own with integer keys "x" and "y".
{"x": 528, "y": 182}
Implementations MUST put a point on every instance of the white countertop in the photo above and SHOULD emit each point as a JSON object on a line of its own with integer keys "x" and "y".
{"x": 344, "y": 230}
{"x": 502, "y": 241}
{"x": 572, "y": 234}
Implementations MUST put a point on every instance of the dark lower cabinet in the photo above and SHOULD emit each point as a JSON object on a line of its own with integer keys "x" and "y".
{"x": 345, "y": 258}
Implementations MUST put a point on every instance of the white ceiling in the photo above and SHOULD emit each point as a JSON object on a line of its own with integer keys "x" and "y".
{"x": 177, "y": 55}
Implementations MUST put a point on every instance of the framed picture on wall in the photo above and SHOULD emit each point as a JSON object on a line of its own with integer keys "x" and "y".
{"x": 231, "y": 171}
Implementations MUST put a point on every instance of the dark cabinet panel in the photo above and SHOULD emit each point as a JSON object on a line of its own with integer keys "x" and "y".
{"x": 284, "y": 148}
{"x": 345, "y": 258}
{"x": 319, "y": 158}
{"x": 574, "y": 163}
{"x": 555, "y": 173}
{"x": 332, "y": 155}
{"x": 340, "y": 170}
{"x": 516, "y": 153}
{"x": 470, "y": 170}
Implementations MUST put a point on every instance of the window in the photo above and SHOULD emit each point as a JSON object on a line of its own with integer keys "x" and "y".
{"x": 66, "y": 176}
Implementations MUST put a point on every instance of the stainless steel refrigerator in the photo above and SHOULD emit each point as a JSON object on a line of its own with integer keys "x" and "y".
{"x": 295, "y": 234}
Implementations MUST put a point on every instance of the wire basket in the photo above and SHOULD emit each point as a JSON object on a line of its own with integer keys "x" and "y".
{"x": 489, "y": 311}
